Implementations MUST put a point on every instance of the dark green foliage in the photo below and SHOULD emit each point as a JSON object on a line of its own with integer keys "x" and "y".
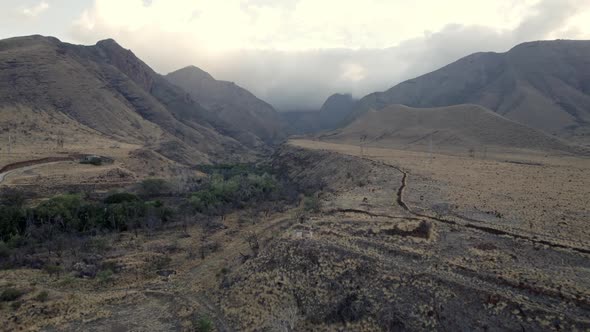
{"x": 12, "y": 222}
{"x": 12, "y": 197}
{"x": 204, "y": 324}
{"x": 54, "y": 270}
{"x": 229, "y": 171}
{"x": 11, "y": 294}
{"x": 72, "y": 214}
{"x": 311, "y": 203}
{"x": 222, "y": 193}
{"x": 4, "y": 251}
{"x": 16, "y": 305}
{"x": 42, "y": 296}
{"x": 153, "y": 187}
{"x": 105, "y": 276}
{"x": 119, "y": 198}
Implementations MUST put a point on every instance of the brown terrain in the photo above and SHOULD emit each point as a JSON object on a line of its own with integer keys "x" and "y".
{"x": 58, "y": 99}
{"x": 461, "y": 128}
{"x": 458, "y": 217}
{"x": 402, "y": 241}
{"x": 242, "y": 116}
{"x": 542, "y": 84}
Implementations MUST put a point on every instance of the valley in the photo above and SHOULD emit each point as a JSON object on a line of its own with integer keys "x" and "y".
{"x": 398, "y": 239}
{"x": 135, "y": 201}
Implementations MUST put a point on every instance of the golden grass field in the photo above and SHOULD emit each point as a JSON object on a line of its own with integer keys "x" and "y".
{"x": 506, "y": 248}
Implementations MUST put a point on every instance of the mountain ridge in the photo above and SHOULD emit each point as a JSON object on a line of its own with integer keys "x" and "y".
{"x": 542, "y": 84}
{"x": 239, "y": 112}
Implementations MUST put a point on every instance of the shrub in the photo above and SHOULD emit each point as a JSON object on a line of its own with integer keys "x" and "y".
{"x": 204, "y": 324}
{"x": 11, "y": 294}
{"x": 119, "y": 198}
{"x": 152, "y": 187}
{"x": 52, "y": 270}
{"x": 42, "y": 296}
{"x": 222, "y": 192}
{"x": 12, "y": 197}
{"x": 4, "y": 250}
{"x": 311, "y": 203}
{"x": 67, "y": 281}
{"x": 105, "y": 276}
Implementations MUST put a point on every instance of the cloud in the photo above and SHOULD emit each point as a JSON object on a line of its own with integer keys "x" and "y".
{"x": 35, "y": 10}
{"x": 296, "y": 53}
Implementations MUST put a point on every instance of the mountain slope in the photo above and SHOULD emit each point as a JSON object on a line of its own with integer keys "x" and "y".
{"x": 234, "y": 110}
{"x": 335, "y": 109}
{"x": 453, "y": 128}
{"x": 107, "y": 89}
{"x": 544, "y": 85}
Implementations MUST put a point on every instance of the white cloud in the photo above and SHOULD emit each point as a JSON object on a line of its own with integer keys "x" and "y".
{"x": 295, "y": 53}
{"x": 35, "y": 10}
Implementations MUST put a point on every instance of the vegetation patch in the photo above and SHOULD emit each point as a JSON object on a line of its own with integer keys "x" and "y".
{"x": 11, "y": 294}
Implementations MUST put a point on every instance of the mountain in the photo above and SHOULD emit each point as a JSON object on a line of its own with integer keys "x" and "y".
{"x": 335, "y": 109}
{"x": 234, "y": 110}
{"x": 544, "y": 85}
{"x": 453, "y": 128}
{"x": 106, "y": 92}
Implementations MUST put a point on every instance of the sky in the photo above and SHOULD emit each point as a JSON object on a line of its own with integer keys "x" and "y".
{"x": 296, "y": 53}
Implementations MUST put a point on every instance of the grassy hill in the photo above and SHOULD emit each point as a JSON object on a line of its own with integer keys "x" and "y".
{"x": 544, "y": 85}
{"x": 453, "y": 128}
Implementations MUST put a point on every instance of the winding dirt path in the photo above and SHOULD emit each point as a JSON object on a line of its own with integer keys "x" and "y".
{"x": 24, "y": 169}
{"x": 33, "y": 163}
{"x": 467, "y": 222}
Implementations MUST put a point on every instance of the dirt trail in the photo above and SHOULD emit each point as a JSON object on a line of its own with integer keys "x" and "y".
{"x": 467, "y": 222}
{"x": 25, "y": 168}
{"x": 30, "y": 164}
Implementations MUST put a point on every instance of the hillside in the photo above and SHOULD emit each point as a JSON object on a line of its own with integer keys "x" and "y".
{"x": 335, "y": 109}
{"x": 453, "y": 128}
{"x": 233, "y": 109}
{"x": 100, "y": 93}
{"x": 544, "y": 85}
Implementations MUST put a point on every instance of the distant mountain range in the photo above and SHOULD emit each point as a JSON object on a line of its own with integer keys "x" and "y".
{"x": 331, "y": 115}
{"x": 104, "y": 92}
{"x": 107, "y": 90}
{"x": 544, "y": 85}
{"x": 459, "y": 128}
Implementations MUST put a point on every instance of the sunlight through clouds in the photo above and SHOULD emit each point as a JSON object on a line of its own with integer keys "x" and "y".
{"x": 284, "y": 50}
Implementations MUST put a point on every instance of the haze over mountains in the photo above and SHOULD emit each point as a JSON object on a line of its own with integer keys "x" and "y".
{"x": 544, "y": 85}
{"x": 187, "y": 116}
{"x": 243, "y": 116}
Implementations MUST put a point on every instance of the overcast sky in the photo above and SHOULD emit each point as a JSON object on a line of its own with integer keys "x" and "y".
{"x": 295, "y": 53}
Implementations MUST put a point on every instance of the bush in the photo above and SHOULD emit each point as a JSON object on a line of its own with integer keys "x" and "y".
{"x": 204, "y": 324}
{"x": 311, "y": 203}
{"x": 105, "y": 276}
{"x": 222, "y": 193}
{"x": 119, "y": 198}
{"x": 42, "y": 296}
{"x": 4, "y": 251}
{"x": 152, "y": 187}
{"x": 15, "y": 305}
{"x": 52, "y": 270}
{"x": 12, "y": 197}
{"x": 11, "y": 294}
